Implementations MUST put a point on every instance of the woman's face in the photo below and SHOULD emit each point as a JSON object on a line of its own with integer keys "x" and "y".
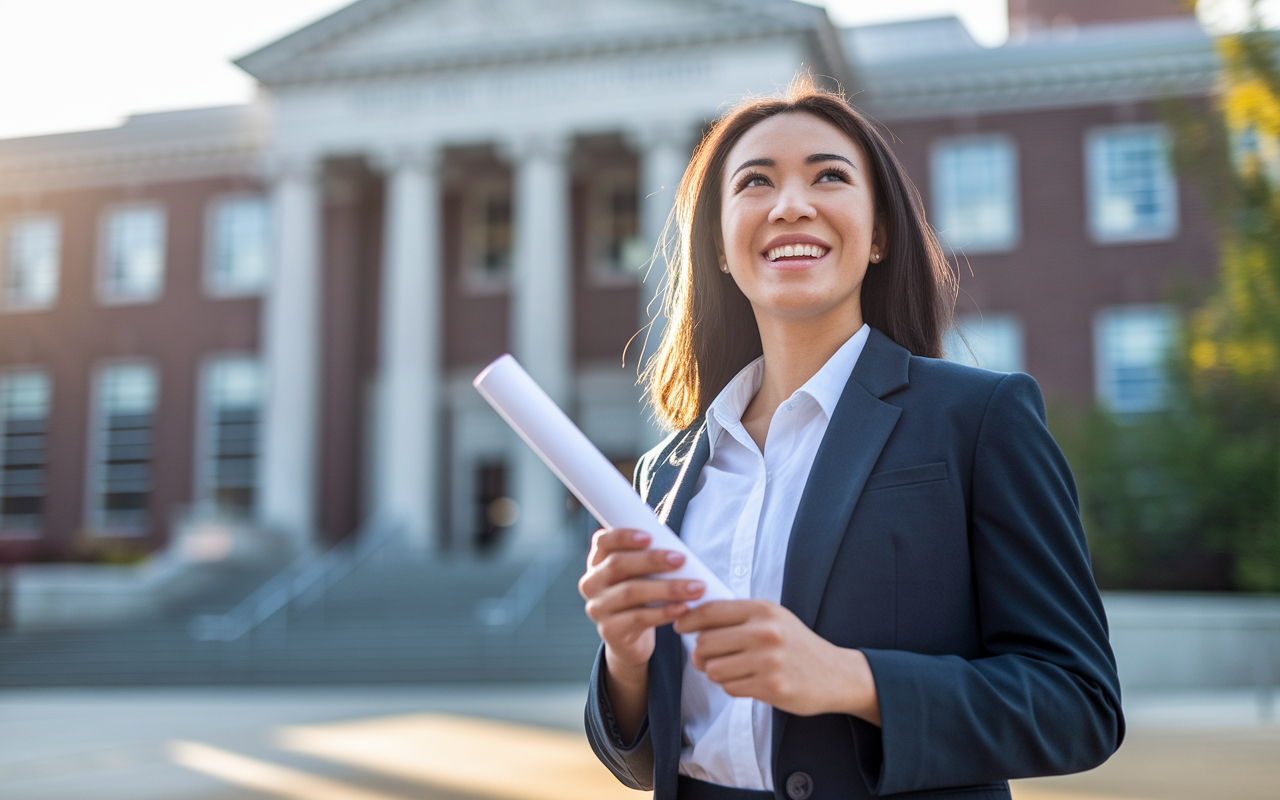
{"x": 798, "y": 218}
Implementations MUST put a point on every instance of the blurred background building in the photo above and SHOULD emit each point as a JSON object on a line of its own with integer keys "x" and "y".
{"x": 270, "y": 314}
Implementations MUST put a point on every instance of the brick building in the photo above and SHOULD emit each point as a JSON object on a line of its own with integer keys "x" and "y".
{"x": 273, "y": 312}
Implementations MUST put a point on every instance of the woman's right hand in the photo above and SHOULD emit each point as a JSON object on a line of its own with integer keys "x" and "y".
{"x": 625, "y": 604}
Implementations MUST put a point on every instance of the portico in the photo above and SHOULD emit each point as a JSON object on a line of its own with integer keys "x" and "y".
{"x": 585, "y": 114}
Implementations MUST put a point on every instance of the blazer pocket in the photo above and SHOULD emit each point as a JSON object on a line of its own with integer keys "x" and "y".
{"x": 907, "y": 476}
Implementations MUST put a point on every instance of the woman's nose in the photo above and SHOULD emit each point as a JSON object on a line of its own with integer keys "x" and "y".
{"x": 793, "y": 205}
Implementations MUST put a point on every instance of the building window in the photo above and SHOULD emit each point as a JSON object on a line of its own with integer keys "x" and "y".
{"x": 240, "y": 246}
{"x": 990, "y": 341}
{"x": 31, "y": 263}
{"x": 1133, "y": 195}
{"x": 24, "y": 421}
{"x": 975, "y": 193}
{"x": 233, "y": 399}
{"x": 489, "y": 232}
{"x": 125, "y": 448}
{"x": 619, "y": 252}
{"x": 133, "y": 260}
{"x": 495, "y": 510}
{"x": 1131, "y": 351}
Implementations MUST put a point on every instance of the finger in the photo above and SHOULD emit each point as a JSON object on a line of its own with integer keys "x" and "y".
{"x": 728, "y": 669}
{"x": 641, "y": 592}
{"x": 623, "y": 628}
{"x": 721, "y": 642}
{"x": 626, "y": 565}
{"x": 611, "y": 540}
{"x": 717, "y": 614}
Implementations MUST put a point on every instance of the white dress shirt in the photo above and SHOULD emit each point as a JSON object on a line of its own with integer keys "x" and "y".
{"x": 739, "y": 522}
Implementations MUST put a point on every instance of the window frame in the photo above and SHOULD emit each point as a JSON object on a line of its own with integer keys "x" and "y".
{"x": 999, "y": 317}
{"x": 1101, "y": 362}
{"x": 601, "y": 185}
{"x": 203, "y": 473}
{"x": 209, "y": 280}
{"x": 936, "y": 150}
{"x": 103, "y": 282}
{"x": 1093, "y": 174}
{"x": 475, "y": 197}
{"x": 7, "y": 305}
{"x": 6, "y": 372}
{"x": 95, "y": 515}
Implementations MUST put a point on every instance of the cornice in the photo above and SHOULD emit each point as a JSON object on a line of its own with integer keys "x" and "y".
{"x": 298, "y": 58}
{"x": 1034, "y": 76}
{"x": 205, "y": 143}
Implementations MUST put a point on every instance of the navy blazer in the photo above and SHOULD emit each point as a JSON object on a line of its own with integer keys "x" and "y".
{"x": 939, "y": 532}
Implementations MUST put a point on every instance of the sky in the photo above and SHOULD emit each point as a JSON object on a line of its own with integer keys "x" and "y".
{"x": 81, "y": 64}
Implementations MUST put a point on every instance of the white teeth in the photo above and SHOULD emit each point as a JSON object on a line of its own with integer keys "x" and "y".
{"x": 802, "y": 250}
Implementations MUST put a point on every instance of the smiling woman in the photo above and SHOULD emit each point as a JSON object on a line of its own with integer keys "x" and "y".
{"x": 915, "y": 608}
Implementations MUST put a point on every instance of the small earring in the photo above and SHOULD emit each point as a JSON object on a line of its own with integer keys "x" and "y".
{"x": 875, "y": 257}
{"x": 724, "y": 267}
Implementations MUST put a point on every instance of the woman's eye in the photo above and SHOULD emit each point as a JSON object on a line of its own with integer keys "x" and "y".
{"x": 833, "y": 175}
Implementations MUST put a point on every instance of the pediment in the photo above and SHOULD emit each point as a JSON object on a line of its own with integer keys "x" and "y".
{"x": 373, "y": 37}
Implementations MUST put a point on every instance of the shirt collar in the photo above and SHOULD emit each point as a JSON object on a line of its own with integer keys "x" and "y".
{"x": 825, "y": 387}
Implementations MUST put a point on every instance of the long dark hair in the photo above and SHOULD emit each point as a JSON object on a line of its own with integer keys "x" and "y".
{"x": 711, "y": 332}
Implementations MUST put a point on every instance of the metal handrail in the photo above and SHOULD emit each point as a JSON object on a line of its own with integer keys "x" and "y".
{"x": 513, "y": 608}
{"x": 301, "y": 583}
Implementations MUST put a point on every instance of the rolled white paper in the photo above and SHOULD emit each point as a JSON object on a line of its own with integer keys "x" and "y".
{"x": 582, "y": 467}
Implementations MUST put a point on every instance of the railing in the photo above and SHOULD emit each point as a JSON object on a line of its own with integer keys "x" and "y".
{"x": 302, "y": 583}
{"x": 511, "y": 610}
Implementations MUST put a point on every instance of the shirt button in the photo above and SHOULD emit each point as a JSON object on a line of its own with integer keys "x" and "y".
{"x": 739, "y": 571}
{"x": 791, "y": 406}
{"x": 799, "y": 786}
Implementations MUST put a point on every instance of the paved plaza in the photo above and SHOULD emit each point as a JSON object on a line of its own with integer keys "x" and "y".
{"x": 495, "y": 742}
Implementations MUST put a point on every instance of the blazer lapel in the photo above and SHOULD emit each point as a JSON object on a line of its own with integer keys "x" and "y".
{"x": 857, "y": 432}
{"x": 859, "y": 429}
{"x": 675, "y": 477}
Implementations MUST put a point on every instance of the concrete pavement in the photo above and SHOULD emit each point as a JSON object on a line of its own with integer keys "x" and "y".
{"x": 471, "y": 742}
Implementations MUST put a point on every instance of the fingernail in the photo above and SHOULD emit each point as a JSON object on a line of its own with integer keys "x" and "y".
{"x": 694, "y": 586}
{"x": 674, "y": 558}
{"x": 639, "y": 537}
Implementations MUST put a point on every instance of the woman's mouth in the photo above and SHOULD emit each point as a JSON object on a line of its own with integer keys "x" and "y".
{"x": 794, "y": 252}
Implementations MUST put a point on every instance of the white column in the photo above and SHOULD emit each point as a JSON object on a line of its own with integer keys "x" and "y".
{"x": 541, "y": 321}
{"x": 664, "y": 156}
{"x": 408, "y": 444}
{"x": 290, "y": 351}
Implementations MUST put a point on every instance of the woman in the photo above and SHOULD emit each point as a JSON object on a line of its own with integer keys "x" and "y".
{"x": 918, "y": 613}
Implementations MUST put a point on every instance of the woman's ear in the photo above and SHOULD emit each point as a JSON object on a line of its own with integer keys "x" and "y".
{"x": 879, "y": 243}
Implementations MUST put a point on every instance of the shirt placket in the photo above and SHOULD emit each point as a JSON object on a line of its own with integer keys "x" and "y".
{"x": 742, "y": 749}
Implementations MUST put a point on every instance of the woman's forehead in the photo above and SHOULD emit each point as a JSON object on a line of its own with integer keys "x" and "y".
{"x": 792, "y": 137}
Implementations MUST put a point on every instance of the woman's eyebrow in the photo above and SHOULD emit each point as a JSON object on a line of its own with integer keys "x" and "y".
{"x": 755, "y": 162}
{"x": 817, "y": 157}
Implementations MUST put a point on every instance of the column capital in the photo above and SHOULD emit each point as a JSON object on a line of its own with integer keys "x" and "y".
{"x": 421, "y": 156}
{"x": 655, "y": 135}
{"x": 550, "y": 146}
{"x": 278, "y": 165}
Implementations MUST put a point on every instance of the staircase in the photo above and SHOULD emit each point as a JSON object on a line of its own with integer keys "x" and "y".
{"x": 394, "y": 619}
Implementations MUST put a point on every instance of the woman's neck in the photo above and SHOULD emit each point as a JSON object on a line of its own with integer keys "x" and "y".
{"x": 794, "y": 351}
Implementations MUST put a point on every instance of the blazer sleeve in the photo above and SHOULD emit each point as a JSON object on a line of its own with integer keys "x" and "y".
{"x": 1045, "y": 698}
{"x": 631, "y": 762}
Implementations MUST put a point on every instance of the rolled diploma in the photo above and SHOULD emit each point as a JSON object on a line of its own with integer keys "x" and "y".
{"x": 582, "y": 467}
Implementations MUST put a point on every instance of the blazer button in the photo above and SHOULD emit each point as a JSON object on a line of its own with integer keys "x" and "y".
{"x": 799, "y": 786}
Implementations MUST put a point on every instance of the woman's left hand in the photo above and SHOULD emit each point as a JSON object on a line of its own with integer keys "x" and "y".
{"x": 758, "y": 649}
